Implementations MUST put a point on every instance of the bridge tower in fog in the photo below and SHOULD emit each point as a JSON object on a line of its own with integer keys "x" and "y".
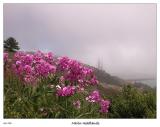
{"x": 100, "y": 64}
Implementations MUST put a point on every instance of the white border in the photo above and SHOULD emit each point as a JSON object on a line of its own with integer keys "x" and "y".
{"x": 80, "y": 1}
{"x": 68, "y": 122}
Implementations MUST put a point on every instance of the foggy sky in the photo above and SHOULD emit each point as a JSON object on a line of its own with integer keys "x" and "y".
{"x": 121, "y": 36}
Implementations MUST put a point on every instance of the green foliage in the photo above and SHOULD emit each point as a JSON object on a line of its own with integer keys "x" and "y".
{"x": 27, "y": 101}
{"x": 11, "y": 45}
{"x": 133, "y": 103}
{"x": 40, "y": 101}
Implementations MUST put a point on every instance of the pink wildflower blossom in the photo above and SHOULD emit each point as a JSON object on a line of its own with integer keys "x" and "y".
{"x": 104, "y": 104}
{"x": 94, "y": 97}
{"x": 66, "y": 91}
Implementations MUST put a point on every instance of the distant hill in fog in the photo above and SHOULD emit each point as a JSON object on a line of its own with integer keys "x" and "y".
{"x": 115, "y": 82}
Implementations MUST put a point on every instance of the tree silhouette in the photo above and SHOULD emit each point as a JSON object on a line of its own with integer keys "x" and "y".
{"x": 11, "y": 45}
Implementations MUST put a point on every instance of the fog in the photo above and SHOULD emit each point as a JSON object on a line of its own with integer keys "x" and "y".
{"x": 122, "y": 37}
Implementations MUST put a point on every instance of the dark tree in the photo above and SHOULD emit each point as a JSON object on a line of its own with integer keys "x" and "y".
{"x": 11, "y": 45}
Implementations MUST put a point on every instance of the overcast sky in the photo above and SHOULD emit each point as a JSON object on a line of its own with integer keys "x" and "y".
{"x": 121, "y": 36}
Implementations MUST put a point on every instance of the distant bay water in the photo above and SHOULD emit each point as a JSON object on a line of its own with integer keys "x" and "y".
{"x": 150, "y": 82}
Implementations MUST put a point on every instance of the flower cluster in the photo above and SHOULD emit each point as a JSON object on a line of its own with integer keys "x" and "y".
{"x": 104, "y": 106}
{"x": 95, "y": 97}
{"x": 65, "y": 91}
{"x": 30, "y": 67}
{"x": 71, "y": 75}
{"x": 75, "y": 72}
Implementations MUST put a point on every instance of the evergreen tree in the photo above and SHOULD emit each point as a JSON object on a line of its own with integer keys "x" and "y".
{"x": 11, "y": 45}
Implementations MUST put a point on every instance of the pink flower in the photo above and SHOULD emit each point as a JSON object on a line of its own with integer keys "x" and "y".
{"x": 104, "y": 106}
{"x": 27, "y": 59}
{"x": 44, "y": 69}
{"x": 77, "y": 104}
{"x": 18, "y": 63}
{"x": 27, "y": 69}
{"x": 18, "y": 55}
{"x": 94, "y": 81}
{"x": 94, "y": 97}
{"x": 36, "y": 65}
{"x": 65, "y": 91}
{"x": 40, "y": 65}
{"x": 75, "y": 72}
{"x": 49, "y": 57}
